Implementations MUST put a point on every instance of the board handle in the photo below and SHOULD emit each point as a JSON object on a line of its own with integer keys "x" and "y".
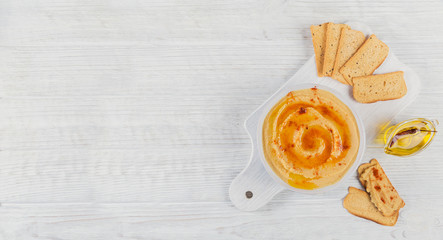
{"x": 253, "y": 187}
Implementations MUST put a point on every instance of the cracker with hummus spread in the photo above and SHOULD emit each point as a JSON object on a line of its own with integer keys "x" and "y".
{"x": 382, "y": 193}
{"x": 363, "y": 167}
{"x": 358, "y": 203}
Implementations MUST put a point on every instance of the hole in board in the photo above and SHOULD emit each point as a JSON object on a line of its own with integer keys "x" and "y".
{"x": 248, "y": 194}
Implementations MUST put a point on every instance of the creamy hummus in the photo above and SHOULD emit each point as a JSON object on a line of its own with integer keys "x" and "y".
{"x": 310, "y": 138}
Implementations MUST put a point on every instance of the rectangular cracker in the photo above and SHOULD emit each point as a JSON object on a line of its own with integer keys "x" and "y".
{"x": 318, "y": 33}
{"x": 380, "y": 189}
{"x": 358, "y": 203}
{"x": 367, "y": 58}
{"x": 333, "y": 32}
{"x": 364, "y": 166}
{"x": 380, "y": 87}
{"x": 350, "y": 42}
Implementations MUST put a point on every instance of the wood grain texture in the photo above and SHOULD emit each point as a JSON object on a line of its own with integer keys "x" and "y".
{"x": 124, "y": 119}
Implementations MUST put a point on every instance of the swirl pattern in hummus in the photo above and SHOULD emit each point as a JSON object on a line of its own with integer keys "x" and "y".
{"x": 310, "y": 138}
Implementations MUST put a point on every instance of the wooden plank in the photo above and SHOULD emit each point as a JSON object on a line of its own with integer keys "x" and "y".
{"x": 214, "y": 220}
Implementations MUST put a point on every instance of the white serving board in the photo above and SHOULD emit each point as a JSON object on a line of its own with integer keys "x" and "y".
{"x": 254, "y": 177}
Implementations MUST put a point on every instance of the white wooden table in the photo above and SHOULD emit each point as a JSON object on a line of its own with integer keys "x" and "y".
{"x": 123, "y": 119}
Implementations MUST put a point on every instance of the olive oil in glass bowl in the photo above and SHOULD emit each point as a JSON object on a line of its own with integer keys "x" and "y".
{"x": 409, "y": 137}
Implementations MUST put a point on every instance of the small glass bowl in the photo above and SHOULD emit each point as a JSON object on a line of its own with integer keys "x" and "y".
{"x": 392, "y": 131}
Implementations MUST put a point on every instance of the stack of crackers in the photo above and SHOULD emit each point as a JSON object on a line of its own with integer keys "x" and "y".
{"x": 347, "y": 56}
{"x": 380, "y": 202}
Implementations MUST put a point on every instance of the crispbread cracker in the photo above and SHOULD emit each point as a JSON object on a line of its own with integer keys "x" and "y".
{"x": 333, "y": 32}
{"x": 382, "y": 193}
{"x": 367, "y": 58}
{"x": 358, "y": 203}
{"x": 318, "y": 33}
{"x": 363, "y": 167}
{"x": 381, "y": 87}
{"x": 350, "y": 41}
